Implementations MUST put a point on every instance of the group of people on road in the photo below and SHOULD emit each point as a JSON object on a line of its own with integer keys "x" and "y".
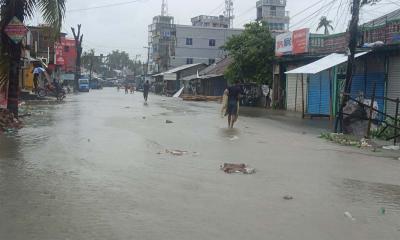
{"x": 131, "y": 89}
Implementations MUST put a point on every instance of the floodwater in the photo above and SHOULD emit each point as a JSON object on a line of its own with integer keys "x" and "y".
{"x": 96, "y": 167}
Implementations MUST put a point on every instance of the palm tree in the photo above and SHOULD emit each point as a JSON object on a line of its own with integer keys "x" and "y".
{"x": 326, "y": 24}
{"x": 52, "y": 12}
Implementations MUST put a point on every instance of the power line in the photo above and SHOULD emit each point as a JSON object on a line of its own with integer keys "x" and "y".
{"x": 309, "y": 17}
{"x": 106, "y": 6}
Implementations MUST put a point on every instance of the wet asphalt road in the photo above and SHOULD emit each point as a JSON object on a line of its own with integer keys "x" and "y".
{"x": 95, "y": 167}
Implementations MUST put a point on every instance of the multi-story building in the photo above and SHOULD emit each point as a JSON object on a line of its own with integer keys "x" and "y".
{"x": 211, "y": 21}
{"x": 162, "y": 34}
{"x": 274, "y": 12}
{"x": 175, "y": 45}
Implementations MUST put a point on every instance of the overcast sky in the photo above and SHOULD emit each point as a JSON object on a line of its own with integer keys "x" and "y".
{"x": 124, "y": 26}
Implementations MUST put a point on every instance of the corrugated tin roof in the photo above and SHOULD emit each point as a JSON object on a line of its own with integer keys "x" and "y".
{"x": 395, "y": 15}
{"x": 178, "y": 69}
{"x": 325, "y": 63}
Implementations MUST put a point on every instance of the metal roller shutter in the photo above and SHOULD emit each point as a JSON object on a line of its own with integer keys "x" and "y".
{"x": 393, "y": 87}
{"x": 319, "y": 94}
{"x": 294, "y": 94}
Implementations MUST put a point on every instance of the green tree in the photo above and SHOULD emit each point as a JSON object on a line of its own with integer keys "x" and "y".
{"x": 253, "y": 52}
{"x": 91, "y": 62}
{"x": 326, "y": 24}
{"x": 52, "y": 12}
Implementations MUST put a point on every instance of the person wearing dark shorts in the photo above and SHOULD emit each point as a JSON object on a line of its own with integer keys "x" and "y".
{"x": 146, "y": 89}
{"x": 233, "y": 100}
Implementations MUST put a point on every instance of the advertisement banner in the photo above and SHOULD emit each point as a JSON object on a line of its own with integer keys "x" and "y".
{"x": 59, "y": 50}
{"x": 300, "y": 41}
{"x": 283, "y": 44}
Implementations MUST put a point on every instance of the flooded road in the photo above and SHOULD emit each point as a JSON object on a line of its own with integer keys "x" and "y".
{"x": 96, "y": 167}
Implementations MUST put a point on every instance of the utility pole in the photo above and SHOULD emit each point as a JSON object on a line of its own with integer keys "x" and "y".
{"x": 78, "y": 43}
{"x": 353, "y": 32}
{"x": 148, "y": 61}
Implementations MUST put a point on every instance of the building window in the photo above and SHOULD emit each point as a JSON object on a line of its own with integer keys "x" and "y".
{"x": 211, "y": 43}
{"x": 189, "y": 41}
{"x": 211, "y": 61}
{"x": 66, "y": 49}
{"x": 189, "y": 61}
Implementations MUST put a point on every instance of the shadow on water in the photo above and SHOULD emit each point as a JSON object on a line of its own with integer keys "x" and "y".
{"x": 229, "y": 132}
{"x": 379, "y": 193}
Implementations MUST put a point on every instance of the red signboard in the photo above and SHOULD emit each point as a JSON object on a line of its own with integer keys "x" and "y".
{"x": 300, "y": 41}
{"x": 65, "y": 51}
{"x": 16, "y": 30}
{"x": 3, "y": 96}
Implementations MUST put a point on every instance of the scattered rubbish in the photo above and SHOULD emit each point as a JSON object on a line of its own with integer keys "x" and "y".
{"x": 365, "y": 143}
{"x": 168, "y": 121}
{"x": 383, "y": 211}
{"x": 143, "y": 117}
{"x": 234, "y": 138}
{"x": 176, "y": 152}
{"x": 237, "y": 168}
{"x": 288, "y": 197}
{"x": 8, "y": 123}
{"x": 395, "y": 148}
{"x": 196, "y": 154}
{"x": 127, "y": 107}
{"x": 347, "y": 214}
{"x": 201, "y": 98}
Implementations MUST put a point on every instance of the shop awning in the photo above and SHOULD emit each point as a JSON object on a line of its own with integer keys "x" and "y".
{"x": 323, "y": 64}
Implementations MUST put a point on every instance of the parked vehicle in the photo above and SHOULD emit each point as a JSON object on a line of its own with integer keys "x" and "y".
{"x": 84, "y": 85}
{"x": 51, "y": 90}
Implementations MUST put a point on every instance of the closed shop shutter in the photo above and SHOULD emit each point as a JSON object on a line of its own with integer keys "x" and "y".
{"x": 365, "y": 84}
{"x": 319, "y": 94}
{"x": 393, "y": 88}
{"x": 294, "y": 94}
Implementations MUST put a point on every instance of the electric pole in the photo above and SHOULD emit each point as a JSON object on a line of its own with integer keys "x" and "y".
{"x": 353, "y": 39}
{"x": 78, "y": 43}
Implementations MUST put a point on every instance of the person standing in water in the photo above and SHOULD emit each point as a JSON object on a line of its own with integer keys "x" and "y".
{"x": 146, "y": 89}
{"x": 233, "y": 103}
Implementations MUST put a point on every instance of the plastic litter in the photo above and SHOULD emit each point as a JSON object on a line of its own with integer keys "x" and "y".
{"x": 383, "y": 211}
{"x": 237, "y": 168}
{"x": 395, "y": 148}
{"x": 176, "y": 152}
{"x": 288, "y": 197}
{"x": 347, "y": 214}
{"x": 168, "y": 122}
{"x": 233, "y": 138}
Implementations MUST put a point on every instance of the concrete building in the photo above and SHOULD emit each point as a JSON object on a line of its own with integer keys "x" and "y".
{"x": 274, "y": 12}
{"x": 176, "y": 45}
{"x": 200, "y": 44}
{"x": 211, "y": 21}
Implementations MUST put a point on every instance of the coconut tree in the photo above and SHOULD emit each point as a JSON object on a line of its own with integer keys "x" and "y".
{"x": 52, "y": 12}
{"x": 326, "y": 24}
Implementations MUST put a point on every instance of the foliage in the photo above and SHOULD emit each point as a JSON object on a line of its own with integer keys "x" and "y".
{"x": 388, "y": 133}
{"x": 253, "y": 52}
{"x": 326, "y": 24}
{"x": 52, "y": 11}
{"x": 91, "y": 61}
{"x": 117, "y": 60}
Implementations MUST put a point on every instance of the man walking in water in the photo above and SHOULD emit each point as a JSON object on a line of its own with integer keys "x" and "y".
{"x": 233, "y": 102}
{"x": 146, "y": 88}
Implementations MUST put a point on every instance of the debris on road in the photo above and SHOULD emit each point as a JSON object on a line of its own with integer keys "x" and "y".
{"x": 201, "y": 98}
{"x": 347, "y": 214}
{"x": 234, "y": 138}
{"x": 383, "y": 211}
{"x": 349, "y": 140}
{"x": 237, "y": 168}
{"x": 168, "y": 122}
{"x": 288, "y": 197}
{"x": 8, "y": 122}
{"x": 176, "y": 152}
{"x": 394, "y": 148}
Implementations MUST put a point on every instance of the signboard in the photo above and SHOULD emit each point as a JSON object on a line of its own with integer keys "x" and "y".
{"x": 300, "y": 40}
{"x": 283, "y": 44}
{"x": 292, "y": 42}
{"x": 170, "y": 77}
{"x": 16, "y": 30}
